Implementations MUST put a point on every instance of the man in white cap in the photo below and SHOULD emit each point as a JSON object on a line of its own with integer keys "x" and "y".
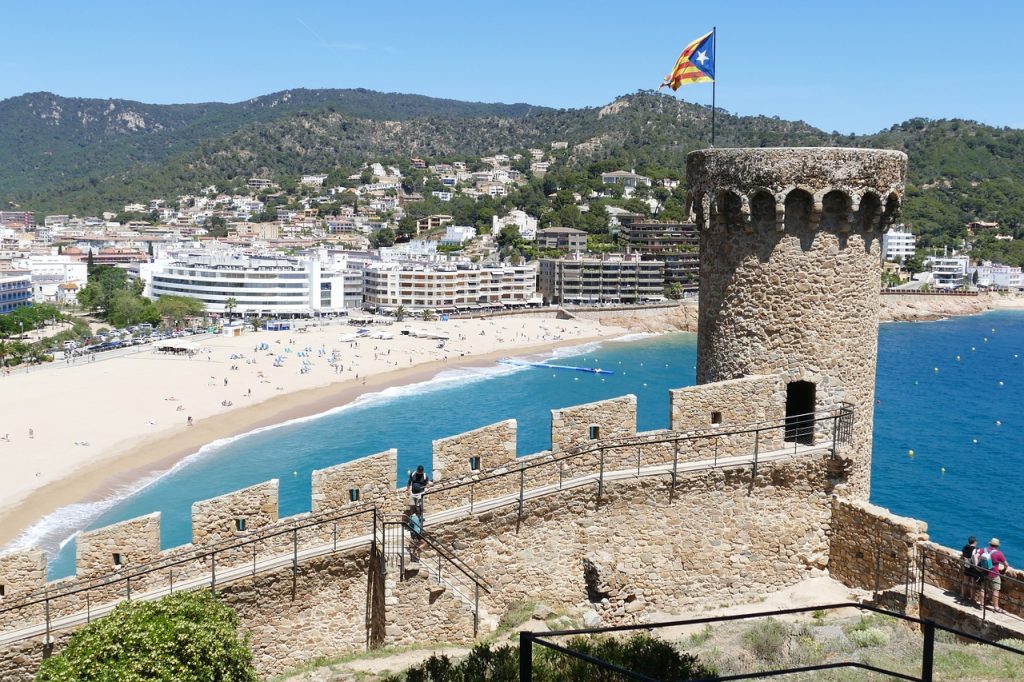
{"x": 994, "y": 561}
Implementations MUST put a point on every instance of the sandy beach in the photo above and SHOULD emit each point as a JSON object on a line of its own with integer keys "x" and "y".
{"x": 76, "y": 433}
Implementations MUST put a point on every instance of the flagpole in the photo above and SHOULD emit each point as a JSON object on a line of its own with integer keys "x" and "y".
{"x": 714, "y": 81}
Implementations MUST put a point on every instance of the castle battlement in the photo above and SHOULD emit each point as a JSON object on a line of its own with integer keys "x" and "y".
{"x": 816, "y": 188}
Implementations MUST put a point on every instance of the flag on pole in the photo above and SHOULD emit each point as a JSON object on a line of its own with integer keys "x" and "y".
{"x": 696, "y": 63}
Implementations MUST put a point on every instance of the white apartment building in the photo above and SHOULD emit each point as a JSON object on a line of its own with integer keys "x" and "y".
{"x": 49, "y": 272}
{"x": 527, "y": 224}
{"x": 448, "y": 288}
{"x": 267, "y": 286}
{"x": 458, "y": 234}
{"x": 948, "y": 272}
{"x": 898, "y": 244}
{"x": 997, "y": 276}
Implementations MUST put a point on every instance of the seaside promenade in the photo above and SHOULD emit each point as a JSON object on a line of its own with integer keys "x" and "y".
{"x": 76, "y": 433}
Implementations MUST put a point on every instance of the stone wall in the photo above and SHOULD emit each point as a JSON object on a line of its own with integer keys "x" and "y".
{"x": 215, "y": 519}
{"x": 724, "y": 538}
{"x": 133, "y": 542}
{"x": 373, "y": 477}
{"x": 614, "y": 418}
{"x": 870, "y": 548}
{"x": 494, "y": 445}
{"x": 943, "y": 568}
{"x": 22, "y": 572}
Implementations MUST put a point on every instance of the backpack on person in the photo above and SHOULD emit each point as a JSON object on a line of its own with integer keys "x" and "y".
{"x": 983, "y": 559}
{"x": 417, "y": 482}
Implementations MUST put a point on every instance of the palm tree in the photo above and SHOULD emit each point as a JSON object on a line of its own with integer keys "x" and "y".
{"x": 400, "y": 313}
{"x": 230, "y": 305}
{"x": 428, "y": 315}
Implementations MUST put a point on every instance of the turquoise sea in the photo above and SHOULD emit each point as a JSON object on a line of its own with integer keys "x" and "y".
{"x": 960, "y": 417}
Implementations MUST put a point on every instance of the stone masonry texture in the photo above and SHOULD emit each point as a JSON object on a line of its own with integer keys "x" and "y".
{"x": 790, "y": 268}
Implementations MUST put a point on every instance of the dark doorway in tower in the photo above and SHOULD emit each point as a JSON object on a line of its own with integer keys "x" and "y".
{"x": 800, "y": 412}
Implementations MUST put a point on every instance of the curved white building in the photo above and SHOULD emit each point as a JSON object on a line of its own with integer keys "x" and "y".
{"x": 264, "y": 286}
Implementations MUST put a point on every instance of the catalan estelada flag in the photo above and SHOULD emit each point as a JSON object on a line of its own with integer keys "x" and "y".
{"x": 696, "y": 64}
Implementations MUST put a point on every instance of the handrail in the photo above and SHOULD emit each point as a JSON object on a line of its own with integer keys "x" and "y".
{"x": 845, "y": 410}
{"x": 464, "y": 568}
{"x": 928, "y": 627}
{"x": 46, "y": 594}
{"x": 937, "y": 554}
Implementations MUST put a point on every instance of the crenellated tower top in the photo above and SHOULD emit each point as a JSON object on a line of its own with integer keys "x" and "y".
{"x": 821, "y": 188}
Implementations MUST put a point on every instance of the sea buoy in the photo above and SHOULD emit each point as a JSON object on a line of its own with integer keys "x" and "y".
{"x": 985, "y": 339}
{"x": 974, "y": 440}
{"x": 295, "y": 473}
{"x": 993, "y": 330}
{"x": 645, "y": 385}
{"x": 1000, "y": 383}
{"x": 910, "y": 453}
{"x": 942, "y": 469}
{"x": 972, "y": 349}
{"x": 958, "y": 358}
{"x": 936, "y": 369}
{"x": 999, "y": 423}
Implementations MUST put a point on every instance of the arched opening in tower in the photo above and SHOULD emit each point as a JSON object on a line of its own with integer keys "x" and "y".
{"x": 800, "y": 397}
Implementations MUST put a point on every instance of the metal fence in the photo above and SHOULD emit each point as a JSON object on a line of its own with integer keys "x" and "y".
{"x": 825, "y": 430}
{"x": 527, "y": 640}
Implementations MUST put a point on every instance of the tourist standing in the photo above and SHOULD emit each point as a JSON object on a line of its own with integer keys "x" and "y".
{"x": 971, "y": 574}
{"x": 417, "y": 484}
{"x": 995, "y": 561}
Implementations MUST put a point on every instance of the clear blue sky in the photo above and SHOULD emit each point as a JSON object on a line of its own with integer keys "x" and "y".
{"x": 846, "y": 66}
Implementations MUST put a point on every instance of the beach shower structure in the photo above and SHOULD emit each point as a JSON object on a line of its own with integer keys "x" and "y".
{"x": 790, "y": 271}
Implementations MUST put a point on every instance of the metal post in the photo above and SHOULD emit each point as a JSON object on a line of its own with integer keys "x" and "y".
{"x": 254, "y": 558}
{"x": 476, "y": 608}
{"x": 560, "y": 474}
{"x": 638, "y": 461}
{"x": 835, "y": 435}
{"x": 757, "y": 446}
{"x": 472, "y": 494}
{"x": 928, "y": 653}
{"x": 878, "y": 571}
{"x": 170, "y": 574}
{"x": 438, "y": 568}
{"x": 46, "y": 606}
{"x": 295, "y": 560}
{"x": 213, "y": 572}
{"x": 88, "y": 608}
{"x": 401, "y": 561}
{"x": 522, "y": 485}
{"x": 128, "y": 587}
{"x": 675, "y": 465}
{"x": 600, "y": 480}
{"x": 525, "y": 656}
{"x": 334, "y": 531}
{"x": 924, "y": 566}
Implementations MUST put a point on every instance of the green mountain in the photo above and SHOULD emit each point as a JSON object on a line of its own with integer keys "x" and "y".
{"x": 84, "y": 156}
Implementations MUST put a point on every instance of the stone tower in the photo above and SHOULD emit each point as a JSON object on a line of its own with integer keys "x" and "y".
{"x": 790, "y": 271}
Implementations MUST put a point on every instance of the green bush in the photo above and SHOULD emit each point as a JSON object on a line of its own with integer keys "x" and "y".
{"x": 766, "y": 640}
{"x": 869, "y": 637}
{"x": 641, "y": 653}
{"x": 184, "y": 637}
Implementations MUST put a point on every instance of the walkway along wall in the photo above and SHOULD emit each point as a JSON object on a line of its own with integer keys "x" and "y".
{"x": 619, "y": 545}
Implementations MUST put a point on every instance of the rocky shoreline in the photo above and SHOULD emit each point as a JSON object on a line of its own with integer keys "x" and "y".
{"x": 909, "y": 307}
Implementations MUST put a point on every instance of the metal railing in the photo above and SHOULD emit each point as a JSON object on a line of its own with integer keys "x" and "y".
{"x": 128, "y": 573}
{"x": 460, "y": 578}
{"x": 837, "y": 424}
{"x": 928, "y": 627}
{"x": 946, "y": 572}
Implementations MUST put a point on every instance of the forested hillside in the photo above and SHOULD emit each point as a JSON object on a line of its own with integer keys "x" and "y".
{"x": 84, "y": 156}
